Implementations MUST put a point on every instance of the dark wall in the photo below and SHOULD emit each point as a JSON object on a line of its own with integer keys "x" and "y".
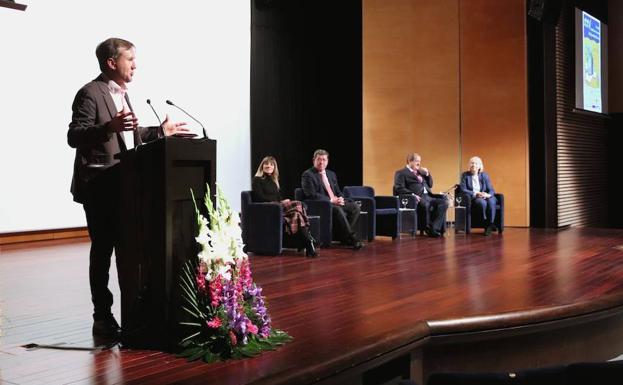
{"x": 615, "y": 198}
{"x": 306, "y": 86}
{"x": 571, "y": 174}
{"x": 542, "y": 121}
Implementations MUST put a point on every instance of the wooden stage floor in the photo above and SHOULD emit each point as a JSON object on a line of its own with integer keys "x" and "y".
{"x": 413, "y": 305}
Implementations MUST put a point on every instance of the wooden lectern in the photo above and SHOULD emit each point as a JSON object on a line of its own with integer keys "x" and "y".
{"x": 158, "y": 229}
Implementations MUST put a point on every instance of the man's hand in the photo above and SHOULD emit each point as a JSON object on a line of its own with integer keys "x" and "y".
{"x": 169, "y": 128}
{"x": 338, "y": 201}
{"x": 424, "y": 171}
{"x": 123, "y": 121}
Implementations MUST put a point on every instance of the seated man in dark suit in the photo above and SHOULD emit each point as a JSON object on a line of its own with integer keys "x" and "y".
{"x": 415, "y": 179}
{"x": 320, "y": 183}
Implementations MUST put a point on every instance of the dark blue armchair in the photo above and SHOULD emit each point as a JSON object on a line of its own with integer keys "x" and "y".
{"x": 383, "y": 217}
{"x": 322, "y": 209}
{"x": 262, "y": 225}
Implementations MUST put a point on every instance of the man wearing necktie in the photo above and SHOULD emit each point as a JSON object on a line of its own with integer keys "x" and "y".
{"x": 102, "y": 125}
{"x": 320, "y": 183}
{"x": 415, "y": 179}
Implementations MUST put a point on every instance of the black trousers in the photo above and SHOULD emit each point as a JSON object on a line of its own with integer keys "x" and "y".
{"x": 345, "y": 218}
{"x": 435, "y": 208}
{"x": 102, "y": 212}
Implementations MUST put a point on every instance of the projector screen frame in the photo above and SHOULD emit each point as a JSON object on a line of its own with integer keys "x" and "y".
{"x": 578, "y": 64}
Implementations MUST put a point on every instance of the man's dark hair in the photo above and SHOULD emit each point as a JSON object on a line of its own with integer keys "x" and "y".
{"x": 320, "y": 152}
{"x": 110, "y": 48}
{"x": 411, "y": 157}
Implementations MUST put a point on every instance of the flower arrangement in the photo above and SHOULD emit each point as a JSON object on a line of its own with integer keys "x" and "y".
{"x": 227, "y": 313}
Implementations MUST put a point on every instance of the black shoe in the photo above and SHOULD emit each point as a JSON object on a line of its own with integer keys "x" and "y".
{"x": 432, "y": 233}
{"x": 310, "y": 250}
{"x": 357, "y": 245}
{"x": 315, "y": 241}
{"x": 488, "y": 230}
{"x": 107, "y": 327}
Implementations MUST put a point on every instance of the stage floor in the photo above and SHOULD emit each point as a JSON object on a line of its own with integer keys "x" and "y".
{"x": 345, "y": 309}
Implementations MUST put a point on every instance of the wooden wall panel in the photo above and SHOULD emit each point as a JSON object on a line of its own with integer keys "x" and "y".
{"x": 447, "y": 79}
{"x": 410, "y": 89}
{"x": 494, "y": 117}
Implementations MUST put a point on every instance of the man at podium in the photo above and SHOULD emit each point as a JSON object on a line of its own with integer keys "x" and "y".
{"x": 103, "y": 124}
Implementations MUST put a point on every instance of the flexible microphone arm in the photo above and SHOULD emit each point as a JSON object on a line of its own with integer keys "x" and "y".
{"x": 205, "y": 135}
{"x": 450, "y": 189}
{"x": 157, "y": 117}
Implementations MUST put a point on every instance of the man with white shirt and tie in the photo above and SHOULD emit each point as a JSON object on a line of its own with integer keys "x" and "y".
{"x": 415, "y": 179}
{"x": 320, "y": 183}
{"x": 103, "y": 124}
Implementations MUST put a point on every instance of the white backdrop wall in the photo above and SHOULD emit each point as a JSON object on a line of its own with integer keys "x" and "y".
{"x": 196, "y": 53}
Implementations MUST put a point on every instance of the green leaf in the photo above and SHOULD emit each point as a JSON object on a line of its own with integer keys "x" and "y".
{"x": 197, "y": 213}
{"x": 266, "y": 344}
{"x": 191, "y": 336}
{"x": 189, "y": 351}
{"x": 190, "y": 324}
{"x": 210, "y": 357}
{"x": 190, "y": 312}
{"x": 199, "y": 354}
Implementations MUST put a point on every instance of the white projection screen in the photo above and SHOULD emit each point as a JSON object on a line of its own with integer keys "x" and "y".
{"x": 195, "y": 53}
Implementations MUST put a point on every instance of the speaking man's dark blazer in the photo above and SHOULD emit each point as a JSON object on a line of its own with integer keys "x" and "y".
{"x": 311, "y": 181}
{"x": 88, "y": 133}
{"x": 467, "y": 186}
{"x": 405, "y": 182}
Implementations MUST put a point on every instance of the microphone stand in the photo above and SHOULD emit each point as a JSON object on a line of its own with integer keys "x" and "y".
{"x": 157, "y": 117}
{"x": 205, "y": 135}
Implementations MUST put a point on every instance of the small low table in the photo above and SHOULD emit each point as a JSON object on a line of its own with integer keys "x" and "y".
{"x": 314, "y": 226}
{"x": 408, "y": 221}
{"x": 460, "y": 222}
{"x": 362, "y": 228}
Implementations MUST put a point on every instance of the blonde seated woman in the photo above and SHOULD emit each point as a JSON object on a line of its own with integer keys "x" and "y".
{"x": 476, "y": 184}
{"x": 265, "y": 188}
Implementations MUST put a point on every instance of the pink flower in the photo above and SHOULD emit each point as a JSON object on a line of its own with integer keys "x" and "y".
{"x": 215, "y": 323}
{"x": 216, "y": 290}
{"x": 233, "y": 338}
{"x": 251, "y": 328}
{"x": 245, "y": 274}
{"x": 201, "y": 282}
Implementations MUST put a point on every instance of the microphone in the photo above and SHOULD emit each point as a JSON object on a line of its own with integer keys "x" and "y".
{"x": 205, "y": 135}
{"x": 450, "y": 189}
{"x": 157, "y": 117}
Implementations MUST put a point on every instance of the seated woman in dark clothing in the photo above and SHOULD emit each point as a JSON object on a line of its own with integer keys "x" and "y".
{"x": 476, "y": 184}
{"x": 265, "y": 188}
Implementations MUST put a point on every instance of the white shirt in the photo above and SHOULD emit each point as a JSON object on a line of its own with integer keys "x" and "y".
{"x": 475, "y": 184}
{"x": 117, "y": 93}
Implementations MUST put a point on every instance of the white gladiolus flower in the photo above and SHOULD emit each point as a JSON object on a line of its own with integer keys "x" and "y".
{"x": 220, "y": 239}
